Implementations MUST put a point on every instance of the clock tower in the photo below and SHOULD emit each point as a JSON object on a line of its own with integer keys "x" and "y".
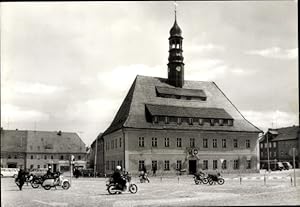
{"x": 175, "y": 65}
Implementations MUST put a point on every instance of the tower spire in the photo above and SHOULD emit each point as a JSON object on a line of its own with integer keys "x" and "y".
{"x": 175, "y": 10}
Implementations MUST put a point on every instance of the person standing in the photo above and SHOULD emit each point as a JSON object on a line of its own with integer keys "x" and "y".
{"x": 21, "y": 178}
{"x": 154, "y": 170}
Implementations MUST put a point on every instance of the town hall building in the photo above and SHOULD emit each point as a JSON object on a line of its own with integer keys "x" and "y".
{"x": 175, "y": 124}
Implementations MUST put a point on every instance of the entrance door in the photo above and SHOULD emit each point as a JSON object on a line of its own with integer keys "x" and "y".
{"x": 192, "y": 166}
{"x": 54, "y": 167}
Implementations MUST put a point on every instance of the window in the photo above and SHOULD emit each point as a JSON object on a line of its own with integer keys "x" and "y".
{"x": 9, "y": 156}
{"x": 61, "y": 157}
{"x": 230, "y": 122}
{"x": 38, "y": 166}
{"x": 166, "y": 120}
{"x": 154, "y": 142}
{"x": 200, "y": 121}
{"x": 224, "y": 143}
{"x": 51, "y": 157}
{"x": 275, "y": 154}
{"x": 224, "y": 164}
{"x": 235, "y": 164}
{"x": 266, "y": 145}
{"x": 178, "y": 165}
{"x": 190, "y": 121}
{"x": 79, "y": 157}
{"x": 141, "y": 165}
{"x": 167, "y": 142}
{"x": 274, "y": 144}
{"x": 261, "y": 145}
{"x": 212, "y": 122}
{"x": 205, "y": 164}
{"x": 248, "y": 164}
{"x": 45, "y": 166}
{"x": 178, "y": 120}
{"x": 116, "y": 143}
{"x": 215, "y": 143}
{"x": 154, "y": 164}
{"x": 192, "y": 142}
{"x": 261, "y": 154}
{"x": 141, "y": 141}
{"x": 120, "y": 142}
{"x": 113, "y": 165}
{"x": 112, "y": 144}
{"x": 205, "y": 143}
{"x": 221, "y": 122}
{"x": 270, "y": 145}
{"x": 215, "y": 164}
{"x": 15, "y": 156}
{"x": 179, "y": 142}
{"x": 235, "y": 143}
{"x": 31, "y": 157}
{"x": 247, "y": 143}
{"x": 155, "y": 119}
{"x": 31, "y": 166}
{"x": 107, "y": 165}
{"x": 45, "y": 157}
{"x": 167, "y": 165}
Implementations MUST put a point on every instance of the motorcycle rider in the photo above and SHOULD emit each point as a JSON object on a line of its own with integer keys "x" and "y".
{"x": 118, "y": 179}
{"x": 199, "y": 174}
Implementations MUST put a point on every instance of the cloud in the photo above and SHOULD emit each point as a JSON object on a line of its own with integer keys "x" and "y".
{"x": 36, "y": 88}
{"x": 270, "y": 119}
{"x": 276, "y": 52}
{"x": 242, "y": 71}
{"x": 204, "y": 48}
{"x": 121, "y": 77}
{"x": 16, "y": 114}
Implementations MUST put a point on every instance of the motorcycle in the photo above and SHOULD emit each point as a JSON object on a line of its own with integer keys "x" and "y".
{"x": 200, "y": 178}
{"x": 56, "y": 180}
{"x": 114, "y": 188}
{"x": 144, "y": 177}
{"x": 213, "y": 179}
{"x": 36, "y": 181}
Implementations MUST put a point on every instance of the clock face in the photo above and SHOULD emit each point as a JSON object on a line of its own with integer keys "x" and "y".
{"x": 178, "y": 68}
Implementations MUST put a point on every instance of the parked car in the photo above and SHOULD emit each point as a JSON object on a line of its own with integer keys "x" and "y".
{"x": 87, "y": 172}
{"x": 38, "y": 171}
{"x": 287, "y": 165}
{"x": 277, "y": 166}
{"x": 9, "y": 172}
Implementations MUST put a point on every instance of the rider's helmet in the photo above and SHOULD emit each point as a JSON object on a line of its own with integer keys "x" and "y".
{"x": 118, "y": 167}
{"x": 49, "y": 167}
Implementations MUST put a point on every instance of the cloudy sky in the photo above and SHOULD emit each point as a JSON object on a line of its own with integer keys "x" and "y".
{"x": 68, "y": 65}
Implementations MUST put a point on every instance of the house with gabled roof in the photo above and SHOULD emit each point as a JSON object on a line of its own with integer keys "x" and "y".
{"x": 279, "y": 144}
{"x": 40, "y": 149}
{"x": 172, "y": 124}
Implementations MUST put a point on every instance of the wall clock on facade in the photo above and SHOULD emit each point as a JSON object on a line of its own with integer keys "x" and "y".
{"x": 178, "y": 68}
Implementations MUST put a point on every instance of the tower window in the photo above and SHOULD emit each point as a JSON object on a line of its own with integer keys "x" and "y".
{"x": 214, "y": 143}
{"x": 192, "y": 142}
{"x": 205, "y": 145}
{"x": 179, "y": 142}
{"x": 167, "y": 142}
{"x": 141, "y": 141}
{"x": 154, "y": 142}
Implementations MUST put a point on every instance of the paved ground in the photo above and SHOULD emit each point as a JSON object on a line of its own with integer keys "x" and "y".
{"x": 165, "y": 191}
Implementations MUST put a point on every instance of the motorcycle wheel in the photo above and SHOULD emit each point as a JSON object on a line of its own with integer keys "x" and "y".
{"x": 133, "y": 188}
{"x": 111, "y": 189}
{"x": 35, "y": 184}
{"x": 47, "y": 187}
{"x": 66, "y": 185}
{"x": 221, "y": 181}
{"x": 197, "y": 182}
{"x": 210, "y": 181}
{"x": 204, "y": 180}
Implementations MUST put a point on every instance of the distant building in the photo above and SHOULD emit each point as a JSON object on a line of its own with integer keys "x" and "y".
{"x": 39, "y": 149}
{"x": 173, "y": 124}
{"x": 97, "y": 152}
{"x": 280, "y": 143}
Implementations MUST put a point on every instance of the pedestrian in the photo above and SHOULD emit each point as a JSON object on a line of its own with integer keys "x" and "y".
{"x": 21, "y": 178}
{"x": 154, "y": 170}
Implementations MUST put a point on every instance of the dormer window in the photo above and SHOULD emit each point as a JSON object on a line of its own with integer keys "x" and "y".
{"x": 190, "y": 121}
{"x": 221, "y": 122}
{"x": 230, "y": 122}
{"x": 201, "y": 122}
{"x": 212, "y": 122}
{"x": 166, "y": 120}
{"x": 155, "y": 119}
{"x": 178, "y": 120}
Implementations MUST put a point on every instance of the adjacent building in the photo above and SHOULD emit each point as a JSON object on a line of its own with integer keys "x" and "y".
{"x": 40, "y": 149}
{"x": 172, "y": 124}
{"x": 96, "y": 155}
{"x": 280, "y": 143}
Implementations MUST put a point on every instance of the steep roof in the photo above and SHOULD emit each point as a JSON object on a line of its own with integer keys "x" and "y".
{"x": 177, "y": 111}
{"x": 54, "y": 142}
{"x": 143, "y": 91}
{"x": 287, "y": 133}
